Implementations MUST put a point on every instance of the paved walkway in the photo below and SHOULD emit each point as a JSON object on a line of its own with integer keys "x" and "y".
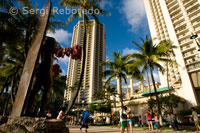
{"x": 101, "y": 129}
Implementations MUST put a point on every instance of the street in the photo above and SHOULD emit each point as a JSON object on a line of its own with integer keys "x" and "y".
{"x": 102, "y": 129}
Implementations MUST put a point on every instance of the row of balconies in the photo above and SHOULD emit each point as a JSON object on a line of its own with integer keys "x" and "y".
{"x": 193, "y": 67}
{"x": 192, "y": 60}
{"x": 187, "y": 47}
{"x": 178, "y": 20}
{"x": 184, "y": 36}
{"x": 171, "y": 4}
{"x": 194, "y": 11}
{"x": 189, "y": 54}
{"x": 191, "y": 5}
{"x": 185, "y": 41}
{"x": 194, "y": 17}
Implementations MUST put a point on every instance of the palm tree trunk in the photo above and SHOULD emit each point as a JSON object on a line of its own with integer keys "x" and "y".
{"x": 6, "y": 104}
{"x": 1, "y": 51}
{"x": 73, "y": 99}
{"x": 4, "y": 86}
{"x": 156, "y": 93}
{"x": 170, "y": 104}
{"x": 121, "y": 93}
{"x": 149, "y": 84}
{"x": 11, "y": 91}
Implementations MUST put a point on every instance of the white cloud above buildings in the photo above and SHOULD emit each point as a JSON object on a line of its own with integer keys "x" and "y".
{"x": 127, "y": 51}
{"x": 134, "y": 12}
{"x": 62, "y": 36}
{"x": 106, "y": 4}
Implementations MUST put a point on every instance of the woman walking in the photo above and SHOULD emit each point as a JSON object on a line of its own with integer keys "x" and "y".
{"x": 130, "y": 121}
{"x": 149, "y": 118}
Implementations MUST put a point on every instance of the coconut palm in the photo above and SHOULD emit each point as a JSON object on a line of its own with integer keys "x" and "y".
{"x": 169, "y": 53}
{"x": 81, "y": 7}
{"x": 117, "y": 69}
{"x": 151, "y": 56}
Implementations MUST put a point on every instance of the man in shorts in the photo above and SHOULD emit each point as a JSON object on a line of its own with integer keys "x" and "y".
{"x": 85, "y": 120}
{"x": 123, "y": 119}
{"x": 195, "y": 118}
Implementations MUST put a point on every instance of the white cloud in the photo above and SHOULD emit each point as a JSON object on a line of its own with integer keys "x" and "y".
{"x": 134, "y": 12}
{"x": 61, "y": 36}
{"x": 156, "y": 77}
{"x": 64, "y": 60}
{"x": 63, "y": 72}
{"x": 127, "y": 51}
{"x": 106, "y": 4}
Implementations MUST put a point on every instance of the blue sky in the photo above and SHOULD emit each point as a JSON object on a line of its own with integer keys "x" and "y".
{"x": 127, "y": 22}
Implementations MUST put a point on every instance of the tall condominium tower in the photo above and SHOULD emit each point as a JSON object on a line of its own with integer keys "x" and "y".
{"x": 177, "y": 20}
{"x": 95, "y": 53}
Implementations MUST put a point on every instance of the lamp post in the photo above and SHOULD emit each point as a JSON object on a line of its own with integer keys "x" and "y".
{"x": 194, "y": 36}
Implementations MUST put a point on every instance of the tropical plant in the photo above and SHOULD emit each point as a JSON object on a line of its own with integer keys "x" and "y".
{"x": 116, "y": 69}
{"x": 169, "y": 55}
{"x": 173, "y": 99}
{"x": 81, "y": 7}
{"x": 151, "y": 56}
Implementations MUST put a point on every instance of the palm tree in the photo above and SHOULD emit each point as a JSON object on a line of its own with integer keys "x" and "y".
{"x": 80, "y": 7}
{"x": 117, "y": 69}
{"x": 151, "y": 55}
{"x": 169, "y": 53}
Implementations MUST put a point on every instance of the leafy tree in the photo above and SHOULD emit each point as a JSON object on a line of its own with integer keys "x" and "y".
{"x": 151, "y": 56}
{"x": 116, "y": 69}
{"x": 172, "y": 99}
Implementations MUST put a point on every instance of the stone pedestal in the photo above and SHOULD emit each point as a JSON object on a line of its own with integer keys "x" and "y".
{"x": 28, "y": 124}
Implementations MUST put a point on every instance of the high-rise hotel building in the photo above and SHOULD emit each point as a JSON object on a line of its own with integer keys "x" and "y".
{"x": 95, "y": 53}
{"x": 177, "y": 20}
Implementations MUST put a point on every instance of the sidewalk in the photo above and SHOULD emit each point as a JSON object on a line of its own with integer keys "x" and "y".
{"x": 102, "y": 129}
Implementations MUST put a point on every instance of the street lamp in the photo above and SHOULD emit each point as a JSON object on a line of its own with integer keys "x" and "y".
{"x": 194, "y": 36}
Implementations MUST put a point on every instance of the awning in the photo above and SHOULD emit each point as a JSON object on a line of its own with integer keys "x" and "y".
{"x": 96, "y": 103}
{"x": 159, "y": 90}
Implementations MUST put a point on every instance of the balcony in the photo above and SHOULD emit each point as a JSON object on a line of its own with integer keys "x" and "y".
{"x": 189, "y": 54}
{"x": 169, "y": 2}
{"x": 184, "y": 36}
{"x": 197, "y": 30}
{"x": 180, "y": 19}
{"x": 174, "y": 8}
{"x": 193, "y": 68}
{"x": 193, "y": 18}
{"x": 192, "y": 5}
{"x": 188, "y": 48}
{"x": 194, "y": 11}
{"x": 180, "y": 24}
{"x": 192, "y": 62}
{"x": 188, "y": 2}
{"x": 172, "y": 4}
{"x": 176, "y": 15}
{"x": 196, "y": 23}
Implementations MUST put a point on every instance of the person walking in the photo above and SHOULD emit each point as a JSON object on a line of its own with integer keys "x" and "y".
{"x": 195, "y": 118}
{"x": 174, "y": 121}
{"x": 156, "y": 123}
{"x": 129, "y": 121}
{"x": 85, "y": 120}
{"x": 149, "y": 119}
{"x": 123, "y": 119}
